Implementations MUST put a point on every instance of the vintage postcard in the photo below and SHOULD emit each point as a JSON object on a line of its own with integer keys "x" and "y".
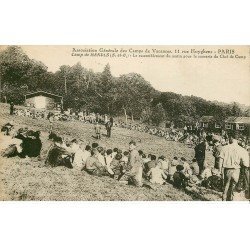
{"x": 124, "y": 123}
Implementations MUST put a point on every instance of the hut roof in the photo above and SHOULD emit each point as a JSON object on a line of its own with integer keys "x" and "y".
{"x": 43, "y": 93}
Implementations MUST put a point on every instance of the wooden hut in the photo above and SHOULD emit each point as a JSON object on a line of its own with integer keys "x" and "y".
{"x": 43, "y": 100}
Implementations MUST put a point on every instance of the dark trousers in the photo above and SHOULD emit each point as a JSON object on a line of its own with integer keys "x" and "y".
{"x": 109, "y": 132}
{"x": 200, "y": 162}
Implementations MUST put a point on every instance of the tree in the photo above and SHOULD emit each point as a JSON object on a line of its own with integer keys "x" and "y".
{"x": 65, "y": 70}
{"x": 158, "y": 114}
{"x": 235, "y": 110}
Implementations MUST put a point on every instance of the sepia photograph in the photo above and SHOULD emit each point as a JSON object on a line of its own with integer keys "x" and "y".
{"x": 124, "y": 123}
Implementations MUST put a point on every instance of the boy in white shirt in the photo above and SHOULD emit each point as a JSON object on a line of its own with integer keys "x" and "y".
{"x": 163, "y": 162}
{"x": 108, "y": 159}
{"x": 157, "y": 175}
{"x": 81, "y": 157}
{"x": 187, "y": 171}
{"x": 172, "y": 168}
{"x": 207, "y": 172}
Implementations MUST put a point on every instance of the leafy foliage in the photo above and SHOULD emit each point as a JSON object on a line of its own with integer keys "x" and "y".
{"x": 129, "y": 94}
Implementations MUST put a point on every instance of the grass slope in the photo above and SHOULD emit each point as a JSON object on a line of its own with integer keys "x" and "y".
{"x": 28, "y": 179}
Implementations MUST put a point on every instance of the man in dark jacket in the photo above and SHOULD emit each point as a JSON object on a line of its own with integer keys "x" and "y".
{"x": 200, "y": 153}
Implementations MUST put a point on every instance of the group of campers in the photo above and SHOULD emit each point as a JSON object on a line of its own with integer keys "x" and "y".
{"x": 229, "y": 174}
{"x": 57, "y": 115}
{"x": 188, "y": 136}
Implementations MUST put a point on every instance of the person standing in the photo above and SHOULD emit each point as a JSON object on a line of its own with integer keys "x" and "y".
{"x": 51, "y": 119}
{"x": 232, "y": 158}
{"x": 108, "y": 128}
{"x": 11, "y": 108}
{"x": 98, "y": 130}
{"x": 200, "y": 153}
{"x": 216, "y": 152}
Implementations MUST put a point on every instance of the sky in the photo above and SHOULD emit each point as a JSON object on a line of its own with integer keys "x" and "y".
{"x": 222, "y": 79}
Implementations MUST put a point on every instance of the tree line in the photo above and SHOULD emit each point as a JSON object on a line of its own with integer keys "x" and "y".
{"x": 129, "y": 94}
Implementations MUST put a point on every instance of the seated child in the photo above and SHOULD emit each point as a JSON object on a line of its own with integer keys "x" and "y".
{"x": 93, "y": 166}
{"x": 214, "y": 182}
{"x": 81, "y": 156}
{"x": 192, "y": 183}
{"x": 195, "y": 167}
{"x": 179, "y": 178}
{"x": 108, "y": 157}
{"x": 207, "y": 172}
{"x": 144, "y": 159}
{"x": 114, "y": 152}
{"x": 100, "y": 156}
{"x": 157, "y": 175}
{"x": 163, "y": 162}
{"x": 125, "y": 157}
{"x": 187, "y": 170}
{"x": 172, "y": 168}
{"x": 58, "y": 155}
{"x": 116, "y": 166}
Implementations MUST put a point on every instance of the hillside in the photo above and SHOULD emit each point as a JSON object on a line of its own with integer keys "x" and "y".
{"x": 100, "y": 92}
{"x": 28, "y": 179}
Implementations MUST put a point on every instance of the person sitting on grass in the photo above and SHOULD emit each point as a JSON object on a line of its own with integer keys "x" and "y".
{"x": 93, "y": 166}
{"x": 207, "y": 172}
{"x": 101, "y": 156}
{"x": 81, "y": 156}
{"x": 172, "y": 168}
{"x": 115, "y": 150}
{"x": 156, "y": 175}
{"x": 108, "y": 157}
{"x": 133, "y": 172}
{"x": 10, "y": 146}
{"x": 125, "y": 158}
{"x": 149, "y": 165}
{"x": 214, "y": 181}
{"x": 31, "y": 144}
{"x": 94, "y": 145}
{"x": 58, "y": 155}
{"x": 163, "y": 162}
{"x": 187, "y": 170}
{"x": 192, "y": 184}
{"x": 144, "y": 159}
{"x": 117, "y": 167}
{"x": 179, "y": 179}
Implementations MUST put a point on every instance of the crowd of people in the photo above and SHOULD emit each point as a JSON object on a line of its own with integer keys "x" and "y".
{"x": 188, "y": 135}
{"x": 229, "y": 173}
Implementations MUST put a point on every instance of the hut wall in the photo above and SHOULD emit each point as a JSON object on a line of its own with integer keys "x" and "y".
{"x": 50, "y": 103}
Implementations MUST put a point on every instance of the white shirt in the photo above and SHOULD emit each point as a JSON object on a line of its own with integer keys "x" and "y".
{"x": 186, "y": 167}
{"x": 108, "y": 160}
{"x": 164, "y": 164}
{"x": 80, "y": 158}
{"x": 6, "y": 141}
{"x": 157, "y": 175}
{"x": 101, "y": 159}
{"x": 233, "y": 155}
{"x": 125, "y": 159}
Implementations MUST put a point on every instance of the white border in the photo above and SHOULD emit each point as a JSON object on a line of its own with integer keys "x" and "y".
{"x": 124, "y": 225}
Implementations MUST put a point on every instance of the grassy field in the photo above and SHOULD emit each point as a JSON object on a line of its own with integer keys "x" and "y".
{"x": 28, "y": 179}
